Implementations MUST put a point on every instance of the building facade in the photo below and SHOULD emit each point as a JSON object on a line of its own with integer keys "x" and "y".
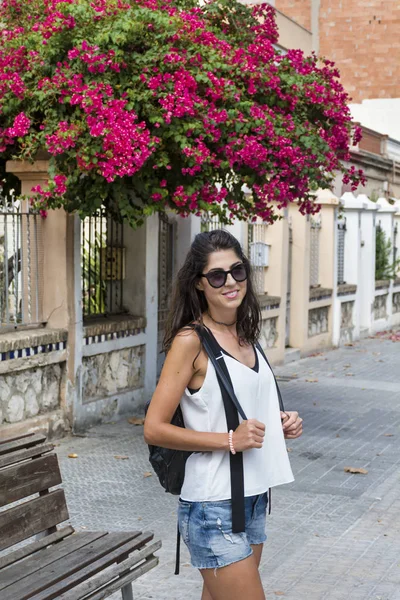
{"x": 360, "y": 36}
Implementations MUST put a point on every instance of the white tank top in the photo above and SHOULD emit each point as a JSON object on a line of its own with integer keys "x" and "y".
{"x": 207, "y": 474}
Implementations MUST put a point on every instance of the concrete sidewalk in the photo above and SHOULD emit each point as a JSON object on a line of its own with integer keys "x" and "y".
{"x": 332, "y": 535}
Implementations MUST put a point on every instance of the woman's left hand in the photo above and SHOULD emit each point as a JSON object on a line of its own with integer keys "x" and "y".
{"x": 292, "y": 424}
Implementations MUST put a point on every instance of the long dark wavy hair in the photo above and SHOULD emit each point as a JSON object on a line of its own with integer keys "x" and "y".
{"x": 189, "y": 303}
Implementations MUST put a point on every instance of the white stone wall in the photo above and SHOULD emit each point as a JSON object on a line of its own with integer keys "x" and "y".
{"x": 318, "y": 320}
{"x": 105, "y": 375}
{"x": 346, "y": 322}
{"x": 380, "y": 306}
{"x": 269, "y": 333}
{"x": 396, "y": 303}
{"x": 29, "y": 393}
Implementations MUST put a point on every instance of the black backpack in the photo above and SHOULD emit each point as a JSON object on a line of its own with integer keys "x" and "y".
{"x": 169, "y": 465}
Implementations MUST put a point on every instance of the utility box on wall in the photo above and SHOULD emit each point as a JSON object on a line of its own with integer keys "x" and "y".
{"x": 259, "y": 254}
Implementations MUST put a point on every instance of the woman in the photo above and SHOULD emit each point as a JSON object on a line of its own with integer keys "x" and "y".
{"x": 214, "y": 290}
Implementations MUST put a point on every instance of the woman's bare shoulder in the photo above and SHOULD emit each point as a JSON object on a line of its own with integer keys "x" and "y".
{"x": 187, "y": 339}
{"x": 186, "y": 349}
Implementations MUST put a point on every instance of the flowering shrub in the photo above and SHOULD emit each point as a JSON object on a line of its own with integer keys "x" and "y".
{"x": 145, "y": 104}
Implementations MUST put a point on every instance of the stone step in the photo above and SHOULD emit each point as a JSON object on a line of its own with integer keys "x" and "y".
{"x": 291, "y": 354}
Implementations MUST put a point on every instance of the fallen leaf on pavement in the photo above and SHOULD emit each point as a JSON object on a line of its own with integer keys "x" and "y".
{"x": 136, "y": 421}
{"x": 278, "y": 593}
{"x": 72, "y": 455}
{"x": 289, "y": 449}
{"x": 147, "y": 474}
{"x": 388, "y": 434}
{"x": 349, "y": 374}
{"x": 355, "y": 470}
{"x": 312, "y": 380}
{"x": 121, "y": 457}
{"x": 338, "y": 435}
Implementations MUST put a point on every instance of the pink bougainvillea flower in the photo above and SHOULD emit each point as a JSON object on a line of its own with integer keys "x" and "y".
{"x": 155, "y": 104}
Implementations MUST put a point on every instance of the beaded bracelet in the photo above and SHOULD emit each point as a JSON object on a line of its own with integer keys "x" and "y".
{"x": 231, "y": 448}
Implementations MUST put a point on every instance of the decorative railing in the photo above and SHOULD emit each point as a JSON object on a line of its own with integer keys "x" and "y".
{"x": 21, "y": 264}
{"x": 103, "y": 265}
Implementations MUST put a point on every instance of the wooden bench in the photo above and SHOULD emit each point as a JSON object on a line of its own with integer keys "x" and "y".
{"x": 59, "y": 563}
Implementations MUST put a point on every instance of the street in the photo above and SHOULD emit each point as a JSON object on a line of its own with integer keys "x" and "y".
{"x": 333, "y": 535}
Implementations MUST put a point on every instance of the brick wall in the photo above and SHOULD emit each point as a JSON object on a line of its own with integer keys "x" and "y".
{"x": 298, "y": 10}
{"x": 362, "y": 37}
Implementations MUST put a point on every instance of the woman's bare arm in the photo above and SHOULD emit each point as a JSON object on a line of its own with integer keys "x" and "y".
{"x": 177, "y": 372}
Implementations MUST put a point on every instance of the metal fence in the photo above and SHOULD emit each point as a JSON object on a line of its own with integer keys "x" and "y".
{"x": 103, "y": 265}
{"x": 210, "y": 222}
{"x": 166, "y": 234}
{"x": 340, "y": 251}
{"x": 21, "y": 264}
{"x": 257, "y": 251}
{"x": 314, "y": 252}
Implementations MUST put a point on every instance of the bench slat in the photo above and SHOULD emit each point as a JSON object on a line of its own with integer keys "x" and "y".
{"x": 16, "y": 437}
{"x": 29, "y": 549}
{"x": 24, "y": 442}
{"x": 124, "y": 580}
{"x": 28, "y": 478}
{"x": 25, "y": 520}
{"x": 108, "y": 575}
{"x": 20, "y": 455}
{"x": 65, "y": 573}
{"x": 46, "y": 557}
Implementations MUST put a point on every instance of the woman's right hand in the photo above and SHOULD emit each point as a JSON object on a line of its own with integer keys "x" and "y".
{"x": 249, "y": 434}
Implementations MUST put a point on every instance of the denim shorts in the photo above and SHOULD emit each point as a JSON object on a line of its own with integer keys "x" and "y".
{"x": 206, "y": 529}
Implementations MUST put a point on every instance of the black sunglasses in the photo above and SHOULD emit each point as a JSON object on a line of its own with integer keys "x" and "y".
{"x": 218, "y": 277}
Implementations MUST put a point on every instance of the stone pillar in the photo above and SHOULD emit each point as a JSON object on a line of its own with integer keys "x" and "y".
{"x": 346, "y": 312}
{"x": 151, "y": 300}
{"x": 307, "y": 304}
{"x": 396, "y": 282}
{"x": 385, "y": 218}
{"x": 300, "y": 280}
{"x": 134, "y": 284}
{"x": 73, "y": 394}
{"x": 366, "y": 283}
{"x": 327, "y": 266}
{"x": 187, "y": 229}
{"x": 54, "y": 284}
{"x": 276, "y": 280}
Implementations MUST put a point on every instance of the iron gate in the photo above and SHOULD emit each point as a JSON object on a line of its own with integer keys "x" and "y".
{"x": 21, "y": 264}
{"x": 103, "y": 265}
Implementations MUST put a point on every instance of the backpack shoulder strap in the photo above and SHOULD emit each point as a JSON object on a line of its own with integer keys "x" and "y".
{"x": 258, "y": 346}
{"x": 232, "y": 409}
{"x": 217, "y": 359}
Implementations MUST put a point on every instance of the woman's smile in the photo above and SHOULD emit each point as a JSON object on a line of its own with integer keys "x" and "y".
{"x": 231, "y": 294}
